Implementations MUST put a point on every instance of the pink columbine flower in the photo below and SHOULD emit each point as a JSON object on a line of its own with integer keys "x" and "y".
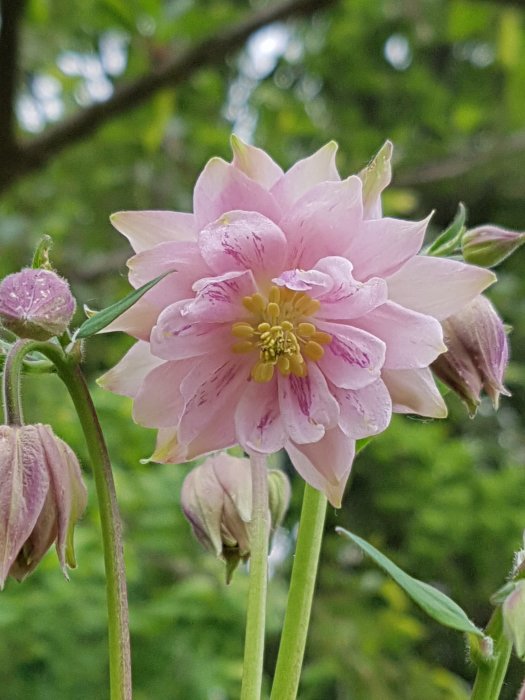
{"x": 297, "y": 316}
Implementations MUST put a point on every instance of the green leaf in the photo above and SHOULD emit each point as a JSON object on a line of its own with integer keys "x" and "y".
{"x": 449, "y": 240}
{"x": 41, "y": 254}
{"x": 435, "y": 603}
{"x": 103, "y": 318}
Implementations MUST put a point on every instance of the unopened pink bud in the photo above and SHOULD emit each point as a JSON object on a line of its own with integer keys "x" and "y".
{"x": 36, "y": 304}
{"x": 489, "y": 245}
{"x": 477, "y": 353}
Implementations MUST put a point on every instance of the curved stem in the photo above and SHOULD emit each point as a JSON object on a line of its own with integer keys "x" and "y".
{"x": 300, "y": 596}
{"x": 118, "y": 625}
{"x": 256, "y": 613}
{"x": 491, "y": 674}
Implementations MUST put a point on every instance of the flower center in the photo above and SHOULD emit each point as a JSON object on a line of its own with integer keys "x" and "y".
{"x": 280, "y": 333}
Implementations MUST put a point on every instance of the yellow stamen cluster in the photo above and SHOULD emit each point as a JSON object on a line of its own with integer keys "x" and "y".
{"x": 279, "y": 333}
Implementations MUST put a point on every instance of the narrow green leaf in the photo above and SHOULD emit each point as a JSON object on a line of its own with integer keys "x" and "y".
{"x": 41, "y": 254}
{"x": 450, "y": 239}
{"x": 435, "y": 603}
{"x": 103, "y": 318}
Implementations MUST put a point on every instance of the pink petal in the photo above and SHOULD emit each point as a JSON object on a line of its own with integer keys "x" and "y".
{"x": 379, "y": 247}
{"x": 255, "y": 163}
{"x": 136, "y": 321}
{"x": 305, "y": 174}
{"x": 364, "y": 412}
{"x": 312, "y": 281}
{"x": 307, "y": 406}
{"x": 354, "y": 358}
{"x": 243, "y": 240}
{"x": 437, "y": 286}
{"x": 175, "y": 337}
{"x": 126, "y": 377}
{"x": 222, "y": 187}
{"x": 325, "y": 464}
{"x": 414, "y": 391}
{"x": 258, "y": 420}
{"x": 220, "y": 298}
{"x": 321, "y": 222}
{"x": 376, "y": 177}
{"x": 412, "y": 339}
{"x": 144, "y": 229}
{"x": 159, "y": 403}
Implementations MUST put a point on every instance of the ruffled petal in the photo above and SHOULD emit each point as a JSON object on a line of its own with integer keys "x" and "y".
{"x": 243, "y": 240}
{"x": 437, "y": 286}
{"x": 159, "y": 403}
{"x": 353, "y": 358}
{"x": 258, "y": 420}
{"x": 364, "y": 412}
{"x": 220, "y": 298}
{"x": 414, "y": 391}
{"x": 222, "y": 187}
{"x": 126, "y": 377}
{"x": 144, "y": 229}
{"x": 379, "y": 247}
{"x": 255, "y": 163}
{"x": 325, "y": 464}
{"x": 412, "y": 339}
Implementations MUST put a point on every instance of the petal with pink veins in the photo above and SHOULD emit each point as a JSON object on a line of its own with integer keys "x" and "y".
{"x": 222, "y": 187}
{"x": 437, "y": 286}
{"x": 412, "y": 339}
{"x": 255, "y": 163}
{"x": 258, "y": 420}
{"x": 325, "y": 464}
{"x": 364, "y": 412}
{"x": 220, "y": 298}
{"x": 414, "y": 391}
{"x": 312, "y": 281}
{"x": 243, "y": 240}
{"x": 305, "y": 174}
{"x": 144, "y": 229}
{"x": 322, "y": 222}
{"x": 379, "y": 247}
{"x": 307, "y": 406}
{"x": 353, "y": 358}
{"x": 159, "y": 403}
{"x": 126, "y": 377}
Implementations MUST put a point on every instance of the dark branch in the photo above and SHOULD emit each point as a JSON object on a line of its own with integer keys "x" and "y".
{"x": 37, "y": 152}
{"x": 11, "y": 14}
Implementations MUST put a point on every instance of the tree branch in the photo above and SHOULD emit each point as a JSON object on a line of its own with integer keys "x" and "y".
{"x": 36, "y": 153}
{"x": 11, "y": 13}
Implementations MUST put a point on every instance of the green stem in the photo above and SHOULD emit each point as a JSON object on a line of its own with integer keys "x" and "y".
{"x": 491, "y": 674}
{"x": 118, "y": 626}
{"x": 256, "y": 613}
{"x": 12, "y": 403}
{"x": 300, "y": 596}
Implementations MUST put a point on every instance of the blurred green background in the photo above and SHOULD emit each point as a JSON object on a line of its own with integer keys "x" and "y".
{"x": 444, "y": 80}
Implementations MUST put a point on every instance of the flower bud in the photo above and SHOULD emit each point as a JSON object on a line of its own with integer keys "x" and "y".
{"x": 513, "y": 610}
{"x": 216, "y": 500}
{"x": 477, "y": 353}
{"x": 43, "y": 496}
{"x": 489, "y": 245}
{"x": 36, "y": 304}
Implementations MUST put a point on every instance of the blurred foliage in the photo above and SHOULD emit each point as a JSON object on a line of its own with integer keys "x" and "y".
{"x": 444, "y": 80}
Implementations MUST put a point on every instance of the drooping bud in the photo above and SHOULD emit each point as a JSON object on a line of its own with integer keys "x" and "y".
{"x": 513, "y": 610}
{"x": 477, "y": 353}
{"x": 489, "y": 245}
{"x": 216, "y": 500}
{"x": 36, "y": 304}
{"x": 42, "y": 497}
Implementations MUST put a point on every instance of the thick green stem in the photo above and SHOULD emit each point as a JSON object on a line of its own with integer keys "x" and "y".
{"x": 491, "y": 674}
{"x": 256, "y": 614}
{"x": 118, "y": 625}
{"x": 12, "y": 403}
{"x": 300, "y": 596}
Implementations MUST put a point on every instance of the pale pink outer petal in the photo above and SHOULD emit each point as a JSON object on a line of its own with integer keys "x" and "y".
{"x": 255, "y": 163}
{"x": 307, "y": 406}
{"x": 354, "y": 358}
{"x": 376, "y": 177}
{"x": 364, "y": 412}
{"x": 144, "y": 229}
{"x": 258, "y": 419}
{"x": 175, "y": 337}
{"x": 136, "y": 321}
{"x": 414, "y": 391}
{"x": 222, "y": 187}
{"x": 381, "y": 246}
{"x": 126, "y": 377}
{"x": 221, "y": 298}
{"x": 322, "y": 222}
{"x": 243, "y": 240}
{"x": 305, "y": 174}
{"x": 159, "y": 403}
{"x": 437, "y": 286}
{"x": 325, "y": 464}
{"x": 412, "y": 339}
{"x": 24, "y": 485}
